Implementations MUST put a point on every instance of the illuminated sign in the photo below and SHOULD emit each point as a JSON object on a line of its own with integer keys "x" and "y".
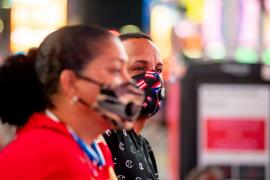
{"x": 233, "y": 123}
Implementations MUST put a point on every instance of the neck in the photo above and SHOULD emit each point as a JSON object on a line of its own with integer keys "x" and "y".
{"x": 139, "y": 124}
{"x": 85, "y": 122}
{"x": 69, "y": 120}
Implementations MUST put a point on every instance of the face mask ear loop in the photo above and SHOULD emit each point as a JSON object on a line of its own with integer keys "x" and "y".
{"x": 89, "y": 80}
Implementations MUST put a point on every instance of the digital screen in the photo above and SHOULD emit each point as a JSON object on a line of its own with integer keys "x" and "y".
{"x": 233, "y": 123}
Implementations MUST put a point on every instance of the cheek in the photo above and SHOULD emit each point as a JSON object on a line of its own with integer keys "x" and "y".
{"x": 114, "y": 80}
{"x": 89, "y": 93}
{"x": 132, "y": 73}
{"x": 110, "y": 78}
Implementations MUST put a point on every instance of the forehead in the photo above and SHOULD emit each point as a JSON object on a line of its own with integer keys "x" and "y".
{"x": 142, "y": 49}
{"x": 113, "y": 50}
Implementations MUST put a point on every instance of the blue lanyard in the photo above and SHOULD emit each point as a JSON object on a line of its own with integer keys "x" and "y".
{"x": 93, "y": 152}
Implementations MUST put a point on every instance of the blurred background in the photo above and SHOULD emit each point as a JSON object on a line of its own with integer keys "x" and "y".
{"x": 226, "y": 41}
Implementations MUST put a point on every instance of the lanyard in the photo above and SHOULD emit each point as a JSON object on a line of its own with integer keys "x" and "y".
{"x": 92, "y": 151}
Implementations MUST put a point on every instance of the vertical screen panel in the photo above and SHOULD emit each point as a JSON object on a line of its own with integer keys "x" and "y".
{"x": 233, "y": 123}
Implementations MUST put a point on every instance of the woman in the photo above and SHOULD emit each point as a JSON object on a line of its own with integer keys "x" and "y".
{"x": 82, "y": 71}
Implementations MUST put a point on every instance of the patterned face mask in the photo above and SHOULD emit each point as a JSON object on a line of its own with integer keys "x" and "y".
{"x": 121, "y": 105}
{"x": 152, "y": 85}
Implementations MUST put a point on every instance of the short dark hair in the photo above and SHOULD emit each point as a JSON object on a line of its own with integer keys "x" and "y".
{"x": 21, "y": 91}
{"x": 138, "y": 35}
{"x": 71, "y": 47}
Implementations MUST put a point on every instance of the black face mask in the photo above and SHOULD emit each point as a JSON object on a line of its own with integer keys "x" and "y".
{"x": 120, "y": 104}
{"x": 152, "y": 85}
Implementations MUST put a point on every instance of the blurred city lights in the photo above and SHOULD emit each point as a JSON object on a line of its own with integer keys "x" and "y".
{"x": 27, "y": 37}
{"x": 184, "y": 29}
{"x": 192, "y": 46}
{"x": 32, "y": 20}
{"x": 194, "y": 9}
{"x": 192, "y": 54}
{"x": 212, "y": 30}
{"x": 5, "y": 3}
{"x": 249, "y": 32}
{"x": 266, "y": 34}
{"x": 250, "y": 21}
{"x": 129, "y": 29}
{"x": 215, "y": 50}
{"x": 246, "y": 55}
{"x": 163, "y": 19}
{"x": 2, "y": 26}
{"x": 266, "y": 56}
{"x": 212, "y": 21}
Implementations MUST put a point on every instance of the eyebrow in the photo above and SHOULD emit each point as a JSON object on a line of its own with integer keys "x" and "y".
{"x": 121, "y": 60}
{"x": 145, "y": 62}
{"x": 140, "y": 61}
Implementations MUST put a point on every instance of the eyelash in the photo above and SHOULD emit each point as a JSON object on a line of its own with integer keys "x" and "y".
{"x": 140, "y": 68}
{"x": 159, "y": 70}
{"x": 144, "y": 69}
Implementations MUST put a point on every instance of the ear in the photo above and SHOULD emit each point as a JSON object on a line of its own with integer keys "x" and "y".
{"x": 67, "y": 82}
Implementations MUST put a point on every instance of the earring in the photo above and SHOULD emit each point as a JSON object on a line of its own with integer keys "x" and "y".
{"x": 74, "y": 99}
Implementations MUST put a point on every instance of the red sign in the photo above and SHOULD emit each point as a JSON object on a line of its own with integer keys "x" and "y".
{"x": 235, "y": 134}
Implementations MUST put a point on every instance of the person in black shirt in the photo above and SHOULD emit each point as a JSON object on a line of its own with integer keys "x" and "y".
{"x": 132, "y": 154}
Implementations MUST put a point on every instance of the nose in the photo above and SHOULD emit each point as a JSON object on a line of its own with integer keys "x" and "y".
{"x": 152, "y": 67}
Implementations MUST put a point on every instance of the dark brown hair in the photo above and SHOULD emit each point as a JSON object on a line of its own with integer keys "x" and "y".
{"x": 20, "y": 92}
{"x": 71, "y": 47}
{"x": 127, "y": 36}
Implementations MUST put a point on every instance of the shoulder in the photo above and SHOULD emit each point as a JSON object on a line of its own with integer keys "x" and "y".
{"x": 37, "y": 144}
{"x": 115, "y": 133}
{"x": 118, "y": 141}
{"x": 43, "y": 135}
{"x": 147, "y": 146}
{"x": 40, "y": 152}
{"x": 114, "y": 137}
{"x": 145, "y": 141}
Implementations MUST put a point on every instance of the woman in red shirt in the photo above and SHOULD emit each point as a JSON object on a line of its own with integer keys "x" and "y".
{"x": 81, "y": 71}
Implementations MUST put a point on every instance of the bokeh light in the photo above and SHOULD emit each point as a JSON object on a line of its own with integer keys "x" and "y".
{"x": 129, "y": 29}
{"x": 2, "y": 26}
{"x": 32, "y": 20}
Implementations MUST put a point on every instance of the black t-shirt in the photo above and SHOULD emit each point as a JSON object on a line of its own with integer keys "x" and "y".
{"x": 132, "y": 155}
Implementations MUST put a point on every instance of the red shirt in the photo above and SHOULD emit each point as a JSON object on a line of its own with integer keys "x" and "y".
{"x": 44, "y": 149}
